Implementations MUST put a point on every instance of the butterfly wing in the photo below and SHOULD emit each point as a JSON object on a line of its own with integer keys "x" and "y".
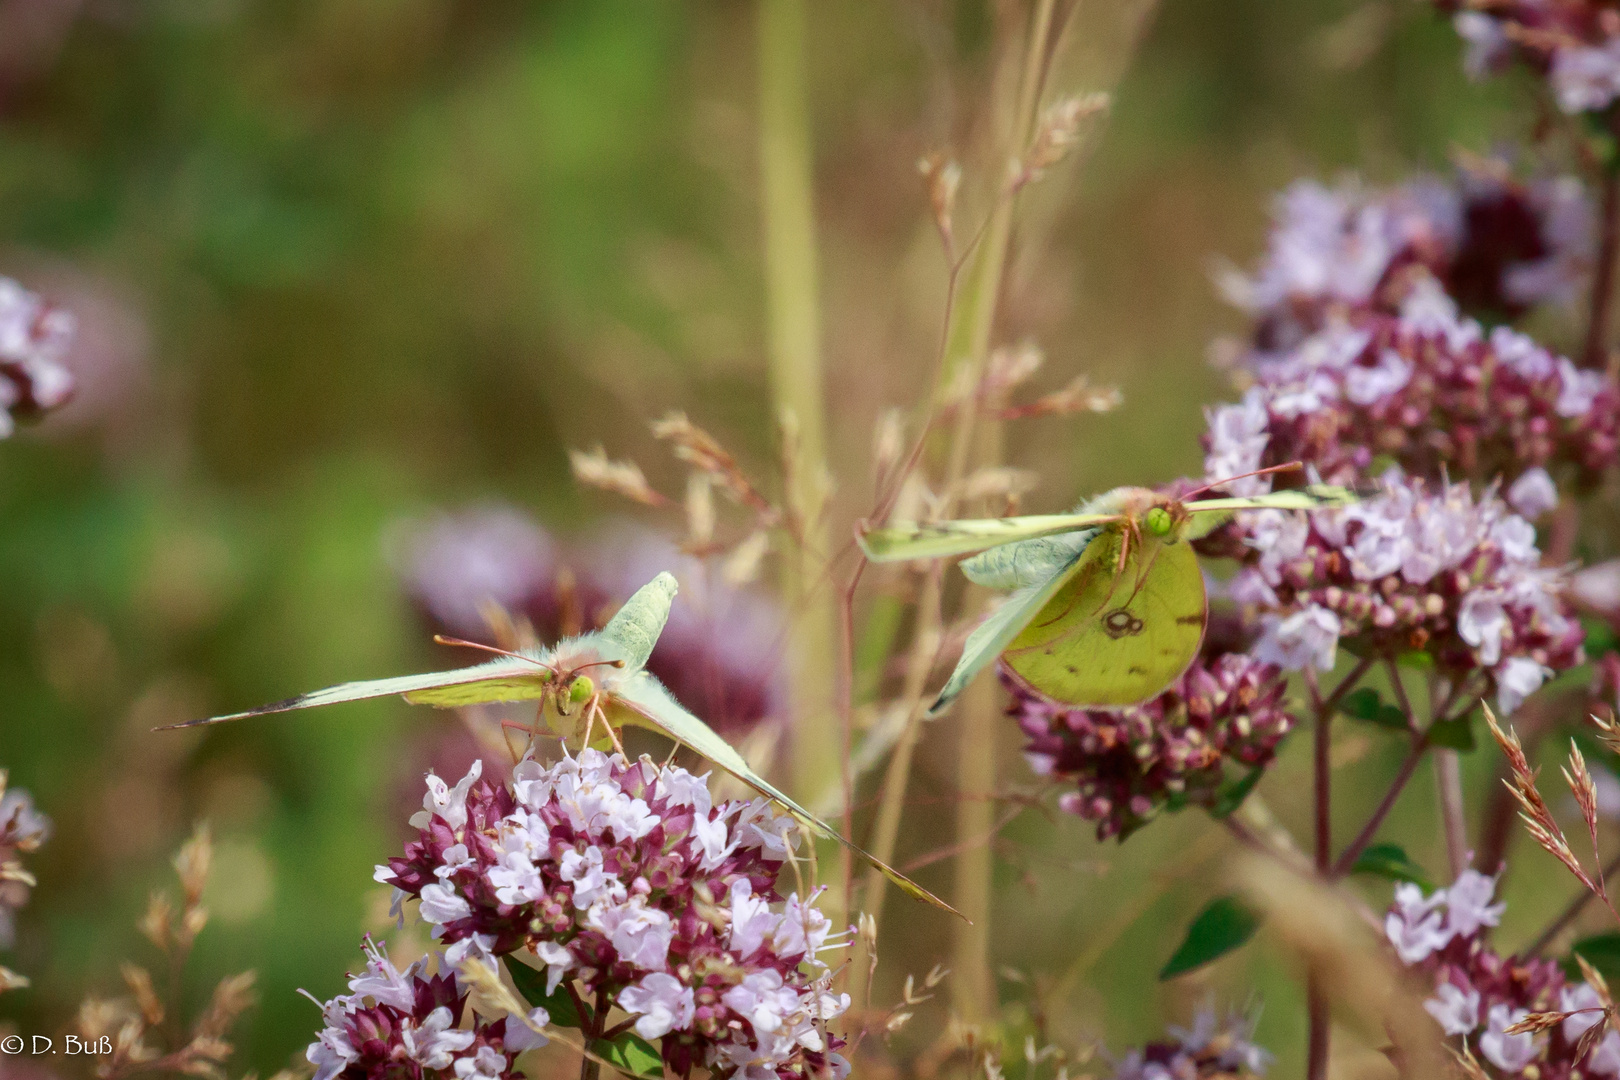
{"x": 633, "y": 631}
{"x": 1023, "y": 563}
{"x": 653, "y": 706}
{"x": 1207, "y": 514}
{"x": 901, "y": 543}
{"x": 506, "y": 678}
{"x": 1000, "y": 628}
{"x": 1116, "y": 637}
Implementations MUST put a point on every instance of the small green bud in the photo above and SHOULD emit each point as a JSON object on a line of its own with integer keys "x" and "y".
{"x": 581, "y": 689}
{"x": 1157, "y": 521}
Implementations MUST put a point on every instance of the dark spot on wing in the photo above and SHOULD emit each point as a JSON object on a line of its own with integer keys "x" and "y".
{"x": 1134, "y": 670}
{"x": 1189, "y": 620}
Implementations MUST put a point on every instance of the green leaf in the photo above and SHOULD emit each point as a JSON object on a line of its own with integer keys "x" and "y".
{"x": 531, "y": 983}
{"x": 1602, "y": 951}
{"x": 1231, "y": 794}
{"x": 631, "y": 1055}
{"x": 1223, "y": 925}
{"x": 1600, "y": 636}
{"x": 1391, "y": 861}
{"x": 1365, "y": 704}
{"x": 1455, "y": 734}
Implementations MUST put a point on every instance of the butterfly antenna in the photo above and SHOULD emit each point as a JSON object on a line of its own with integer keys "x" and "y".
{"x": 596, "y": 663}
{"x": 1292, "y": 466}
{"x": 463, "y": 644}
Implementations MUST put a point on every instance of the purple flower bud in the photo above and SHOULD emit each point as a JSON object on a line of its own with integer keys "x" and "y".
{"x": 1128, "y": 763}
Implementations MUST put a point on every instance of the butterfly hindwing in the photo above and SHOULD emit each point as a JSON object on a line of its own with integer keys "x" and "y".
{"x": 999, "y": 629}
{"x": 655, "y": 707}
{"x": 1112, "y": 636}
{"x": 1023, "y": 563}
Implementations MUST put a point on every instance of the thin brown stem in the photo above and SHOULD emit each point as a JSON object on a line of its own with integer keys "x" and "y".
{"x": 1596, "y": 352}
{"x": 1453, "y": 815}
{"x": 1323, "y": 778}
{"x": 1409, "y": 765}
{"x": 1321, "y": 1019}
{"x": 1322, "y": 775}
{"x": 1576, "y": 905}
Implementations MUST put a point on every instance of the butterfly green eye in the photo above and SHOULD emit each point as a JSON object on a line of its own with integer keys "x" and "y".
{"x": 581, "y": 689}
{"x": 1157, "y": 521}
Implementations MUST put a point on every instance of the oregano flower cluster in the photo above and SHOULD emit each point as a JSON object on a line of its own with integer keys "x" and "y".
{"x": 1424, "y": 388}
{"x": 22, "y": 830}
{"x": 34, "y": 335}
{"x": 407, "y": 1024}
{"x": 1417, "y": 569}
{"x": 631, "y": 887}
{"x": 1573, "y": 44}
{"x": 1479, "y": 994}
{"x": 1213, "y": 1048}
{"x": 1224, "y": 716}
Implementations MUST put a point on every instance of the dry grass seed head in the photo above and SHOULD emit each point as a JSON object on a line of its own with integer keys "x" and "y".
{"x": 703, "y": 451}
{"x": 1533, "y": 809}
{"x": 233, "y": 996}
{"x": 942, "y": 177}
{"x": 625, "y": 478}
{"x": 193, "y": 863}
{"x": 139, "y": 982}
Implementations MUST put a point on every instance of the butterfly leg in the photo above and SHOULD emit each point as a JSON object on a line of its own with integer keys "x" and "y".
{"x": 528, "y": 736}
{"x": 597, "y": 710}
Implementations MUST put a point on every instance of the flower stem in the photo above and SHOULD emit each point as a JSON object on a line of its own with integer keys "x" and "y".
{"x": 1317, "y": 1012}
{"x": 1348, "y": 857}
{"x": 1321, "y": 1019}
{"x": 1454, "y": 817}
{"x": 793, "y": 314}
{"x": 966, "y": 347}
{"x": 1596, "y": 353}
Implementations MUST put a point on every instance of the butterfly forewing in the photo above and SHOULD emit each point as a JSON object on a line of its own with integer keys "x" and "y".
{"x": 1113, "y": 637}
{"x": 900, "y": 543}
{"x": 503, "y": 679}
{"x": 650, "y": 705}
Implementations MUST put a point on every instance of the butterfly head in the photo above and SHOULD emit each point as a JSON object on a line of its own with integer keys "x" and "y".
{"x": 1151, "y": 514}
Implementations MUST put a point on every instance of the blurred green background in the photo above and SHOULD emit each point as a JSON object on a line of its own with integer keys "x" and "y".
{"x": 338, "y": 261}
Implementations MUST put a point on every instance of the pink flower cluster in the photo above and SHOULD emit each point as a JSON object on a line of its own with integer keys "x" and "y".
{"x": 1573, "y": 44}
{"x": 719, "y": 652}
{"x": 1427, "y": 389}
{"x": 1416, "y": 568}
{"x": 631, "y": 888}
{"x": 33, "y": 337}
{"x": 395, "y": 1025}
{"x": 1211, "y": 1049}
{"x": 1495, "y": 243}
{"x": 1172, "y": 750}
{"x": 1479, "y": 994}
{"x": 22, "y": 830}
